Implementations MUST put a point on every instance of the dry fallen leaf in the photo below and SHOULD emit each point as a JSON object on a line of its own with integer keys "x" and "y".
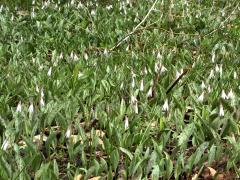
{"x": 195, "y": 177}
{"x": 221, "y": 177}
{"x": 36, "y": 140}
{"x": 78, "y": 177}
{"x": 95, "y": 178}
{"x": 212, "y": 171}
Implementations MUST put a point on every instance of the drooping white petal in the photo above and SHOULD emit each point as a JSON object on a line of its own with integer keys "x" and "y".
{"x": 221, "y": 111}
{"x": 105, "y": 52}
{"x": 149, "y": 93}
{"x": 220, "y": 70}
{"x": 42, "y": 103}
{"x": 230, "y": 94}
{"x": 19, "y": 107}
{"x": 42, "y": 93}
{"x": 165, "y": 106}
{"x": 68, "y": 133}
{"x": 209, "y": 89}
{"x": 49, "y": 72}
{"x": 217, "y": 68}
{"x": 201, "y": 97}
{"x": 211, "y": 75}
{"x": 126, "y": 123}
{"x": 235, "y": 75}
{"x": 61, "y": 56}
{"x": 85, "y": 56}
{"x": 141, "y": 85}
{"x": 37, "y": 89}
{"x": 223, "y": 95}
{"x": 213, "y": 57}
{"x": 5, "y": 145}
{"x": 178, "y": 73}
{"x": 133, "y": 82}
{"x": 31, "y": 108}
{"x": 135, "y": 107}
{"x": 159, "y": 56}
{"x": 203, "y": 85}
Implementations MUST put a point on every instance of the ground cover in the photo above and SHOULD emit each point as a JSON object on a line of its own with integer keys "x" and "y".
{"x": 120, "y": 90}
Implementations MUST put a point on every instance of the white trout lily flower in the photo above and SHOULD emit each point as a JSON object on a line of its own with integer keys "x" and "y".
{"x": 178, "y": 74}
{"x": 201, "y": 97}
{"x": 203, "y": 85}
{"x": 213, "y": 56}
{"x": 133, "y": 82}
{"x": 141, "y": 85}
{"x": 49, "y": 72}
{"x": 5, "y": 145}
{"x": 31, "y": 108}
{"x": 149, "y": 93}
{"x": 223, "y": 95}
{"x": 19, "y": 107}
{"x": 68, "y": 133}
{"x": 85, "y": 56}
{"x": 165, "y": 106}
{"x": 230, "y": 94}
{"x": 42, "y": 103}
{"x": 126, "y": 122}
{"x": 221, "y": 111}
{"x": 211, "y": 75}
{"x": 235, "y": 75}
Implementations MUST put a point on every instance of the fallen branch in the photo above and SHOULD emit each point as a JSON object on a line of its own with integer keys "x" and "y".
{"x": 134, "y": 29}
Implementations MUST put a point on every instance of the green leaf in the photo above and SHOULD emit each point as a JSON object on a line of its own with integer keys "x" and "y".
{"x": 184, "y": 136}
{"x": 43, "y": 171}
{"x": 55, "y": 168}
{"x": 169, "y": 165}
{"x": 122, "y": 108}
{"x": 155, "y": 172}
{"x": 5, "y": 168}
{"x": 127, "y": 152}
{"x": 179, "y": 166}
{"x": 200, "y": 152}
{"x": 162, "y": 124}
{"x": 212, "y": 154}
{"x": 114, "y": 157}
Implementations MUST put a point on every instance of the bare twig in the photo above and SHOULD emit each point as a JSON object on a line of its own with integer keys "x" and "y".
{"x": 177, "y": 80}
{"x": 222, "y": 23}
{"x": 134, "y": 29}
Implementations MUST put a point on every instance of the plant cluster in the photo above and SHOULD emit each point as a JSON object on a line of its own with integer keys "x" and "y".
{"x": 119, "y": 89}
